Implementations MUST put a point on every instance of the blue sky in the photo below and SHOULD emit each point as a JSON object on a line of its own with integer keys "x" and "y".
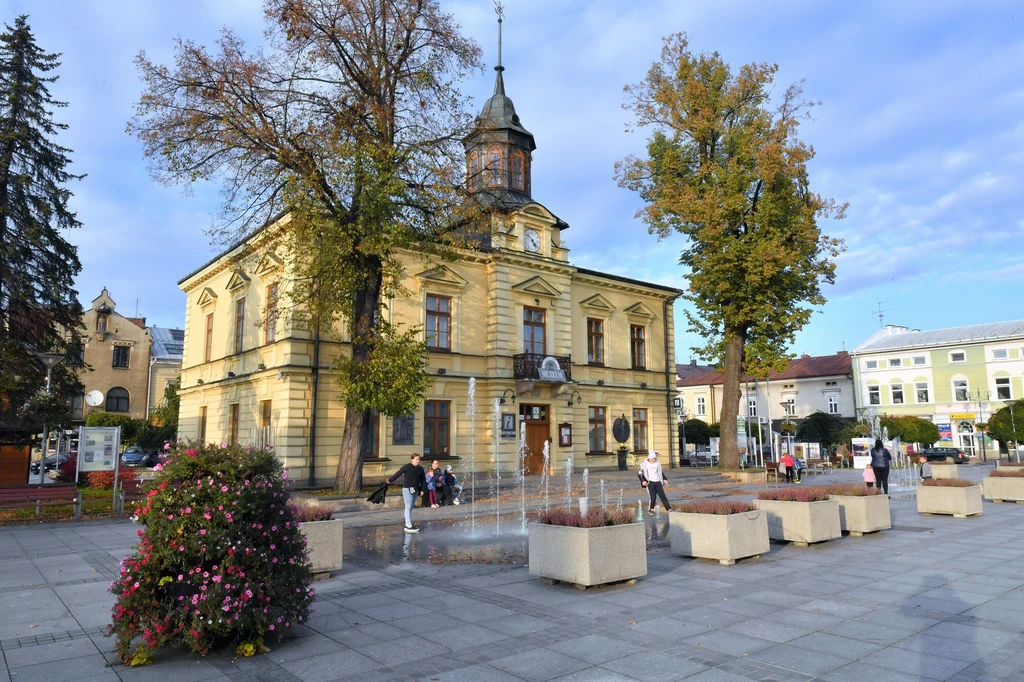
{"x": 921, "y": 129}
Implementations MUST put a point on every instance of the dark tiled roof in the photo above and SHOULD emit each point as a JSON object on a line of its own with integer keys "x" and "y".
{"x": 684, "y": 370}
{"x": 804, "y": 367}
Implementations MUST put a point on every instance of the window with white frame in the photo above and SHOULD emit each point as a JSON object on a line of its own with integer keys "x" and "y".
{"x": 921, "y": 390}
{"x": 874, "y": 395}
{"x": 1000, "y": 354}
{"x": 1003, "y": 388}
{"x": 896, "y": 394}
{"x": 871, "y": 364}
{"x": 920, "y": 360}
{"x": 702, "y": 408}
{"x": 958, "y": 356}
{"x": 752, "y": 407}
{"x": 895, "y": 362}
{"x": 961, "y": 390}
{"x": 833, "y": 404}
{"x": 790, "y": 407}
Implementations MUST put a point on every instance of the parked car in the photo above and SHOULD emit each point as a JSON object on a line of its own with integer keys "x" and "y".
{"x": 52, "y": 462}
{"x": 135, "y": 456}
{"x": 943, "y": 454}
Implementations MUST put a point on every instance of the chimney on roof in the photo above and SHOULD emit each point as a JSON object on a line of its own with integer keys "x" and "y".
{"x": 894, "y": 329}
{"x": 842, "y": 354}
{"x": 804, "y": 356}
{"x": 693, "y": 363}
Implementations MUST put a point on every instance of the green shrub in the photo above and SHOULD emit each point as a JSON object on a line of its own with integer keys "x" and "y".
{"x": 221, "y": 557}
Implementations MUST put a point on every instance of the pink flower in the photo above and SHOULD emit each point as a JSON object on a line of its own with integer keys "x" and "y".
{"x": 202, "y": 531}
{"x": 188, "y": 510}
{"x": 170, "y": 517}
{"x": 181, "y": 577}
{"x": 158, "y": 467}
{"x": 271, "y": 627}
{"x": 191, "y": 453}
{"x": 167, "y": 446}
{"x": 223, "y": 488}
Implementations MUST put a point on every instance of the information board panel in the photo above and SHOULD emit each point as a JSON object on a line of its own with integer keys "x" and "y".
{"x": 98, "y": 448}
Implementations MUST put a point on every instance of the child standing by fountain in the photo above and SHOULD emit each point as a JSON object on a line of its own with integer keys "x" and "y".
{"x": 432, "y": 488}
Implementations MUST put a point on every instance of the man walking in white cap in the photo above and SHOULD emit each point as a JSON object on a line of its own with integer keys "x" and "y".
{"x": 652, "y": 478}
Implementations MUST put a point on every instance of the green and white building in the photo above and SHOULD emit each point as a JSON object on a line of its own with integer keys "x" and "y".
{"x": 955, "y": 377}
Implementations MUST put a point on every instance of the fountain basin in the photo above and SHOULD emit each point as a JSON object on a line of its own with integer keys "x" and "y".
{"x": 859, "y": 514}
{"x": 802, "y": 522}
{"x": 324, "y": 541}
{"x": 1003, "y": 488}
{"x": 945, "y": 470}
{"x": 960, "y": 502}
{"x": 588, "y": 556}
{"x": 723, "y": 537}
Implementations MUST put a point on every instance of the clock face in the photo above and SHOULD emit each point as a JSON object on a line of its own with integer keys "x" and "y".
{"x": 532, "y": 241}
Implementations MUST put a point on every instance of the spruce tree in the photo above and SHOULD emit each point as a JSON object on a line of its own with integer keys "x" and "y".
{"x": 39, "y": 308}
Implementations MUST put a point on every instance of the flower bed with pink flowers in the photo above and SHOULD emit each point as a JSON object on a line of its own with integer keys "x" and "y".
{"x": 220, "y": 558}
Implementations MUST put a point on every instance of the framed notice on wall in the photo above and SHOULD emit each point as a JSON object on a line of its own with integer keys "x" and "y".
{"x": 565, "y": 435}
{"x": 98, "y": 448}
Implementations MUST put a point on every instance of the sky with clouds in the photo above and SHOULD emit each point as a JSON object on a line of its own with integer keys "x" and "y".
{"x": 921, "y": 130}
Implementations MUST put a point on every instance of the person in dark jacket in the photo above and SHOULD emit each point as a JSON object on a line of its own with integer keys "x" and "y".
{"x": 880, "y": 460}
{"x": 414, "y": 482}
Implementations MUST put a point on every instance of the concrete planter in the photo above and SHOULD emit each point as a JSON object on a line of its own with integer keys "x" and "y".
{"x": 588, "y": 556}
{"x": 960, "y": 502}
{"x": 724, "y": 537}
{"x": 1000, "y": 489}
{"x": 945, "y": 470}
{"x": 802, "y": 522}
{"x": 324, "y": 541}
{"x": 746, "y": 477}
{"x": 859, "y": 514}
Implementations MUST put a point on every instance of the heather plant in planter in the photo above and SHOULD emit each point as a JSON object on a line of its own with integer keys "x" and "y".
{"x": 220, "y": 560}
{"x": 810, "y": 494}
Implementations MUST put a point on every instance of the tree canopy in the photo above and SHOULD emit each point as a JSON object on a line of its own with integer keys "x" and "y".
{"x": 819, "y": 427}
{"x": 698, "y": 432}
{"x": 910, "y": 429}
{"x": 1004, "y": 428}
{"x": 350, "y": 122}
{"x": 725, "y": 168}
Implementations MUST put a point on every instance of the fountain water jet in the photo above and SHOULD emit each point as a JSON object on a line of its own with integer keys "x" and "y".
{"x": 604, "y": 497}
{"x": 619, "y": 505}
{"x": 544, "y": 478}
{"x": 568, "y": 483}
{"x": 496, "y": 428}
{"x": 586, "y": 483}
{"x": 471, "y": 418}
{"x": 639, "y": 510}
{"x": 521, "y": 475}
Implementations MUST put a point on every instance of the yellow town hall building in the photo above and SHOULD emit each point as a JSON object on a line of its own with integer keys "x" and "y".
{"x": 567, "y": 350}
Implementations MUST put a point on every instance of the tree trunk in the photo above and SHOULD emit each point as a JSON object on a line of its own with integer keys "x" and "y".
{"x": 366, "y": 306}
{"x": 728, "y": 450}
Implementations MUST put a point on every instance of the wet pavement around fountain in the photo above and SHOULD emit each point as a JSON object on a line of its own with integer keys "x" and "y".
{"x": 932, "y": 599}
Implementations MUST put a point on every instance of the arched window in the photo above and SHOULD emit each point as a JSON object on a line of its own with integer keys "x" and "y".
{"x": 474, "y": 171}
{"x": 516, "y": 170}
{"x": 118, "y": 400}
{"x": 494, "y": 162}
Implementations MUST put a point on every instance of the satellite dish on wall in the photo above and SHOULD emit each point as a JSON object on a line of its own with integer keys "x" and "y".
{"x": 94, "y": 398}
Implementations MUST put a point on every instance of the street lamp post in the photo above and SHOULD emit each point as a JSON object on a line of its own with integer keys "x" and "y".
{"x": 49, "y": 360}
{"x": 982, "y": 395}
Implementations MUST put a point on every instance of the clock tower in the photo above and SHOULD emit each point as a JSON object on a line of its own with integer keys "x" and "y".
{"x": 499, "y": 149}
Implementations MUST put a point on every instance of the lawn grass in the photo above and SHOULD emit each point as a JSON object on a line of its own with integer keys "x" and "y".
{"x": 94, "y": 503}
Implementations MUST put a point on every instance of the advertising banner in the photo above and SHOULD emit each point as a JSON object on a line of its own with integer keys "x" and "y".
{"x": 945, "y": 432}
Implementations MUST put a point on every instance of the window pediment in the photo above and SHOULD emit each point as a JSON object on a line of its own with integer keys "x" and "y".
{"x": 269, "y": 263}
{"x": 239, "y": 280}
{"x": 640, "y": 310}
{"x": 442, "y": 276}
{"x": 207, "y": 297}
{"x": 598, "y": 304}
{"x": 537, "y": 285}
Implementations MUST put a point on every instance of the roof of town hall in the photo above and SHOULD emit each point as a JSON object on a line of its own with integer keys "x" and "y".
{"x": 803, "y": 367}
{"x": 894, "y": 338}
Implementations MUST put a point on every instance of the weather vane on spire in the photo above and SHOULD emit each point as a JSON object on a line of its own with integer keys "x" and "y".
{"x": 499, "y": 9}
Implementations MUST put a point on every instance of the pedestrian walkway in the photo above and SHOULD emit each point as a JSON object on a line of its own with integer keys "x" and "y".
{"x": 932, "y": 599}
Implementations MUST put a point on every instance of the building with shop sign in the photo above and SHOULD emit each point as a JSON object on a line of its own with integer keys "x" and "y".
{"x": 562, "y": 349}
{"x": 956, "y": 377}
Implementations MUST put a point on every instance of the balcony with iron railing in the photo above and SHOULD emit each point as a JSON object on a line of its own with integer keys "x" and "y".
{"x": 540, "y": 367}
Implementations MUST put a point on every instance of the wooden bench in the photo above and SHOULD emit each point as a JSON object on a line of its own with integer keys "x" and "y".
{"x": 38, "y": 496}
{"x": 771, "y": 469}
{"x": 817, "y": 466}
{"x": 133, "y": 491}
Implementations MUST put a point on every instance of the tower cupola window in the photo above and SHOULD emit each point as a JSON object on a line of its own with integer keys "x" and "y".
{"x": 516, "y": 168}
{"x": 494, "y": 166}
{"x": 474, "y": 171}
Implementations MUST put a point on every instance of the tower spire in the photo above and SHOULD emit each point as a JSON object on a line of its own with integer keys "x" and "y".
{"x": 499, "y": 82}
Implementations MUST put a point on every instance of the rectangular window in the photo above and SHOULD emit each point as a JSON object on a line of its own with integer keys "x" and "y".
{"x": 595, "y": 342}
{"x": 122, "y": 354}
{"x": 920, "y": 360}
{"x": 533, "y": 331}
{"x": 270, "y": 334}
{"x": 370, "y": 438}
{"x": 921, "y": 388}
{"x": 596, "y": 419}
{"x": 702, "y": 407}
{"x": 494, "y": 166}
{"x": 874, "y": 395}
{"x": 961, "y": 390}
{"x": 751, "y": 407}
{"x": 402, "y": 427}
{"x": 895, "y": 362}
{"x": 76, "y": 355}
{"x": 439, "y": 322}
{"x": 202, "y": 424}
{"x": 790, "y": 407}
{"x": 436, "y": 425}
{"x": 958, "y": 356}
{"x": 1003, "y": 388}
{"x": 239, "y": 325}
{"x": 637, "y": 345}
{"x": 1000, "y": 354}
{"x": 871, "y": 364}
{"x": 639, "y": 430}
{"x": 266, "y": 412}
{"x": 516, "y": 169}
{"x": 833, "y": 404}
{"x": 896, "y": 391}
{"x": 77, "y": 406}
{"x": 233, "y": 427}
{"x": 208, "y": 345}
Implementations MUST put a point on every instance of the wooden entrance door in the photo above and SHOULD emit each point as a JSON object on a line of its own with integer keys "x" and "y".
{"x": 538, "y": 430}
